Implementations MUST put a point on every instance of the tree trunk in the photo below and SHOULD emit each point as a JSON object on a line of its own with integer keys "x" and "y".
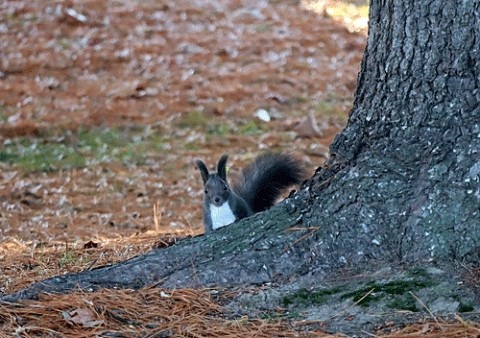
{"x": 409, "y": 189}
{"x": 402, "y": 184}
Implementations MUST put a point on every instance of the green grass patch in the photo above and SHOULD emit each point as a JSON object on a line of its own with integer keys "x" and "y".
{"x": 218, "y": 129}
{"x": 251, "y": 127}
{"x": 194, "y": 119}
{"x": 331, "y": 109}
{"x": 204, "y": 122}
{"x": 67, "y": 259}
{"x": 53, "y": 152}
{"x": 3, "y": 116}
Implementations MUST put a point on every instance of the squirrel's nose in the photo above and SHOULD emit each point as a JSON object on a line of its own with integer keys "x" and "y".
{"x": 216, "y": 200}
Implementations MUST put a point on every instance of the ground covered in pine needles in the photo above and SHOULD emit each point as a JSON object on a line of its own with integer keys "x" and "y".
{"x": 105, "y": 105}
{"x": 154, "y": 312}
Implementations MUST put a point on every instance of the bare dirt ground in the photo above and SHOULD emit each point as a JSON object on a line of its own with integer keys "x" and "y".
{"x": 105, "y": 105}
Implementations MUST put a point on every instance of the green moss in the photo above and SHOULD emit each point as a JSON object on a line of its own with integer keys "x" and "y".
{"x": 418, "y": 272}
{"x": 402, "y": 286}
{"x": 463, "y": 307}
{"x": 306, "y": 298}
{"x": 394, "y": 288}
{"x": 404, "y": 302}
{"x": 359, "y": 296}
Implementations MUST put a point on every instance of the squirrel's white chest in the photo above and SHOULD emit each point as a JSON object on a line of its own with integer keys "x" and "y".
{"x": 221, "y": 216}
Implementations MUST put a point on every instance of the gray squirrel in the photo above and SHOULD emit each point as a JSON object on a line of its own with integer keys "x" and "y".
{"x": 259, "y": 186}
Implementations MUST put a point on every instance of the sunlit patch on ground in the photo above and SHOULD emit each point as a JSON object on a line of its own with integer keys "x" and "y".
{"x": 352, "y": 13}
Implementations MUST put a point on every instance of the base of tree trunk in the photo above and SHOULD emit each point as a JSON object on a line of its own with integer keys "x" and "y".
{"x": 351, "y": 303}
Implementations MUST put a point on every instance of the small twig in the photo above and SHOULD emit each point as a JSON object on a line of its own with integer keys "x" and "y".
{"x": 467, "y": 324}
{"x": 156, "y": 216}
{"x": 368, "y": 333}
{"x": 354, "y": 304}
{"x": 91, "y": 264}
{"x": 308, "y": 322}
{"x": 461, "y": 320}
{"x": 311, "y": 231}
{"x": 302, "y": 228}
{"x": 154, "y": 285}
{"x": 426, "y": 308}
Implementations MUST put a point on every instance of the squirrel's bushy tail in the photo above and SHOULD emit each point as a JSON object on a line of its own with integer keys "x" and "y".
{"x": 264, "y": 180}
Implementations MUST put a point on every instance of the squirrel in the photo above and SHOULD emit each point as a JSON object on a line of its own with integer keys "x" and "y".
{"x": 260, "y": 184}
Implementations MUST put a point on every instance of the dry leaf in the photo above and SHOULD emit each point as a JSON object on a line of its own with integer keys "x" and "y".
{"x": 80, "y": 316}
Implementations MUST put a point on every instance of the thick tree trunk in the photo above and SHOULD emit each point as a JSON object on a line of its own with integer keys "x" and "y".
{"x": 409, "y": 189}
{"x": 402, "y": 184}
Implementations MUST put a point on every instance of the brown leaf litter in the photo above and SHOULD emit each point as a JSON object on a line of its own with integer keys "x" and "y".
{"x": 150, "y": 312}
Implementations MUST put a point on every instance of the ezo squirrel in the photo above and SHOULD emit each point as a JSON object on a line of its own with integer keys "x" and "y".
{"x": 259, "y": 186}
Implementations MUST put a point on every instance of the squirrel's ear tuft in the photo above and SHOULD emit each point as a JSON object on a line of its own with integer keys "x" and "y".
{"x": 222, "y": 167}
{"x": 203, "y": 171}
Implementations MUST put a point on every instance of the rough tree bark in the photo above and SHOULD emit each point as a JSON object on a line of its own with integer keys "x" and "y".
{"x": 402, "y": 184}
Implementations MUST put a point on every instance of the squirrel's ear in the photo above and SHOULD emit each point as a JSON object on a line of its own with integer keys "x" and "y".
{"x": 203, "y": 171}
{"x": 222, "y": 167}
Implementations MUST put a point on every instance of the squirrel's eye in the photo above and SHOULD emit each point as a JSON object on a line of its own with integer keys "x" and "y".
{"x": 206, "y": 191}
{"x": 225, "y": 188}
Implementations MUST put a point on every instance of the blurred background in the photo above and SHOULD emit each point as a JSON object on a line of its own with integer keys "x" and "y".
{"x": 105, "y": 105}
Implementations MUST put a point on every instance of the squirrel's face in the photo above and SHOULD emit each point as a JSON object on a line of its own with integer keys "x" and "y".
{"x": 217, "y": 190}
